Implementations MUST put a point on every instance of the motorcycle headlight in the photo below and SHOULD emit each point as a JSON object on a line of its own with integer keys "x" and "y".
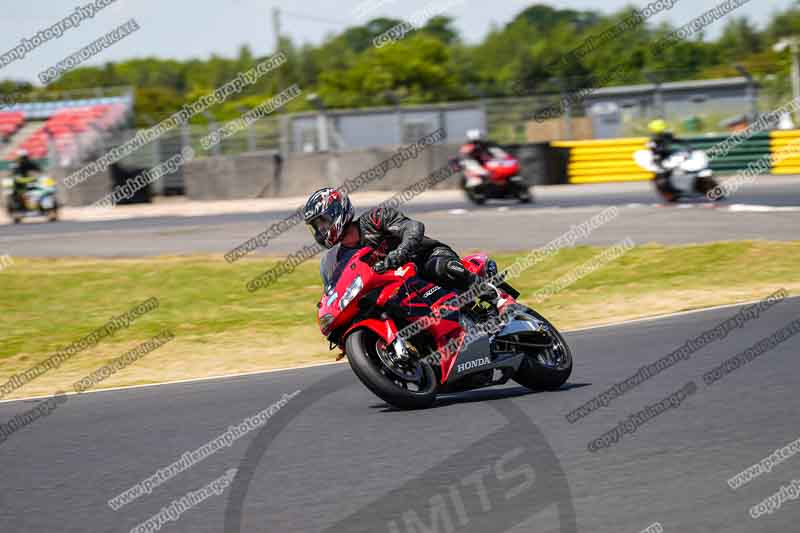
{"x": 351, "y": 292}
{"x": 704, "y": 173}
{"x": 325, "y": 322}
{"x": 332, "y": 298}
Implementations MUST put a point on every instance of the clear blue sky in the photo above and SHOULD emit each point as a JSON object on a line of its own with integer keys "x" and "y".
{"x": 183, "y": 29}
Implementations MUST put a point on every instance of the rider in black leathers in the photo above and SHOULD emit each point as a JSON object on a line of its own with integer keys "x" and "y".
{"x": 24, "y": 166}
{"x": 396, "y": 238}
{"x": 662, "y": 146}
{"x": 476, "y": 147}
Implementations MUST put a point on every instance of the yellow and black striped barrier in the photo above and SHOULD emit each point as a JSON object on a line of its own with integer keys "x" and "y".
{"x": 604, "y": 161}
{"x": 785, "y": 151}
{"x": 611, "y": 160}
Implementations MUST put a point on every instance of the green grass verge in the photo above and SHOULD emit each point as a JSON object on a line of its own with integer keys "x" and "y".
{"x": 222, "y": 328}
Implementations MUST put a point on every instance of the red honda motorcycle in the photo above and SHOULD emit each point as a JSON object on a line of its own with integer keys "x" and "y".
{"x": 497, "y": 176}
{"x": 409, "y": 340}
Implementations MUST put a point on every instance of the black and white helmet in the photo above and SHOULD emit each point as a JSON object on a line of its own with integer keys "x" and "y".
{"x": 326, "y": 214}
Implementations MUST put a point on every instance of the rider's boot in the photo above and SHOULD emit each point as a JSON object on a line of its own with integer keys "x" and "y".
{"x": 455, "y": 275}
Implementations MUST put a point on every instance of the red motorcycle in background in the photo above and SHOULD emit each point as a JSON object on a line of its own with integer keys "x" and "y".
{"x": 364, "y": 314}
{"x": 496, "y": 175}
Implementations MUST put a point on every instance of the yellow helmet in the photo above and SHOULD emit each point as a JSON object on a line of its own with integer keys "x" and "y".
{"x": 657, "y": 126}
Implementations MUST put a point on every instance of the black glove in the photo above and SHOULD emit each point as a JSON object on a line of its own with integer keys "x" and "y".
{"x": 393, "y": 259}
{"x": 380, "y": 267}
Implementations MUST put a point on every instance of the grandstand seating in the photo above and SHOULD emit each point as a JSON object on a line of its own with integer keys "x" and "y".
{"x": 10, "y": 123}
{"x": 69, "y": 128}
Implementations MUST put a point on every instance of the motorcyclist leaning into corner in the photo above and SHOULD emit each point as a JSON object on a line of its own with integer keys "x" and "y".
{"x": 22, "y": 178}
{"x": 662, "y": 145}
{"x": 396, "y": 239}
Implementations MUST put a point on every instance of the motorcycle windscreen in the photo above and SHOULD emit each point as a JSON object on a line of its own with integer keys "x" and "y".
{"x": 333, "y": 263}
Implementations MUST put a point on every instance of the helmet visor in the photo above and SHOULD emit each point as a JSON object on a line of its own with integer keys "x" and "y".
{"x": 321, "y": 224}
{"x": 320, "y": 228}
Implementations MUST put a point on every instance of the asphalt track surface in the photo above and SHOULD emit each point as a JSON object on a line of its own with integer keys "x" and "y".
{"x": 336, "y": 458}
{"x": 768, "y": 209}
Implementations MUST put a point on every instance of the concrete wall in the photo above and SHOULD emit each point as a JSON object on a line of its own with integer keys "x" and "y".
{"x": 98, "y": 186}
{"x": 227, "y": 177}
{"x": 248, "y": 175}
{"x": 245, "y": 176}
{"x": 86, "y": 193}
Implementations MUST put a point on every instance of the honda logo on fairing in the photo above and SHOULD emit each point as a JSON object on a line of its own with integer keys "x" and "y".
{"x": 473, "y": 364}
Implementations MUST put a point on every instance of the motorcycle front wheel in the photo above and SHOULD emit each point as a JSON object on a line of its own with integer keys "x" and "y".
{"x": 546, "y": 368}
{"x": 706, "y": 185}
{"x": 406, "y": 384}
{"x": 662, "y": 188}
{"x": 524, "y": 195}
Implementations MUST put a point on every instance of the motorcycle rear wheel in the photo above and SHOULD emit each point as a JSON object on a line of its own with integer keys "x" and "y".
{"x": 546, "y": 370}
{"x": 362, "y": 347}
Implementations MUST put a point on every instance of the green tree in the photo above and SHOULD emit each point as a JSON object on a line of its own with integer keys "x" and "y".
{"x": 415, "y": 68}
{"x": 442, "y": 28}
{"x": 739, "y": 39}
{"x": 433, "y": 64}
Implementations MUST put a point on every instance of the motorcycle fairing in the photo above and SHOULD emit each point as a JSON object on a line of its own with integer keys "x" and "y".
{"x": 486, "y": 354}
{"x": 385, "y": 329}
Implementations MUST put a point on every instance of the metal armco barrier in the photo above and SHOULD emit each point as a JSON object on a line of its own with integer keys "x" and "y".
{"x": 739, "y": 157}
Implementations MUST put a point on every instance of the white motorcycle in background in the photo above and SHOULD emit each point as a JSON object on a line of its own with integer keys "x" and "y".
{"x": 38, "y": 200}
{"x": 686, "y": 171}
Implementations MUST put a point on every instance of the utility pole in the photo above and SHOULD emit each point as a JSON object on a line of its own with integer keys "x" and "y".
{"x": 276, "y": 27}
{"x": 795, "y": 72}
{"x": 752, "y": 96}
